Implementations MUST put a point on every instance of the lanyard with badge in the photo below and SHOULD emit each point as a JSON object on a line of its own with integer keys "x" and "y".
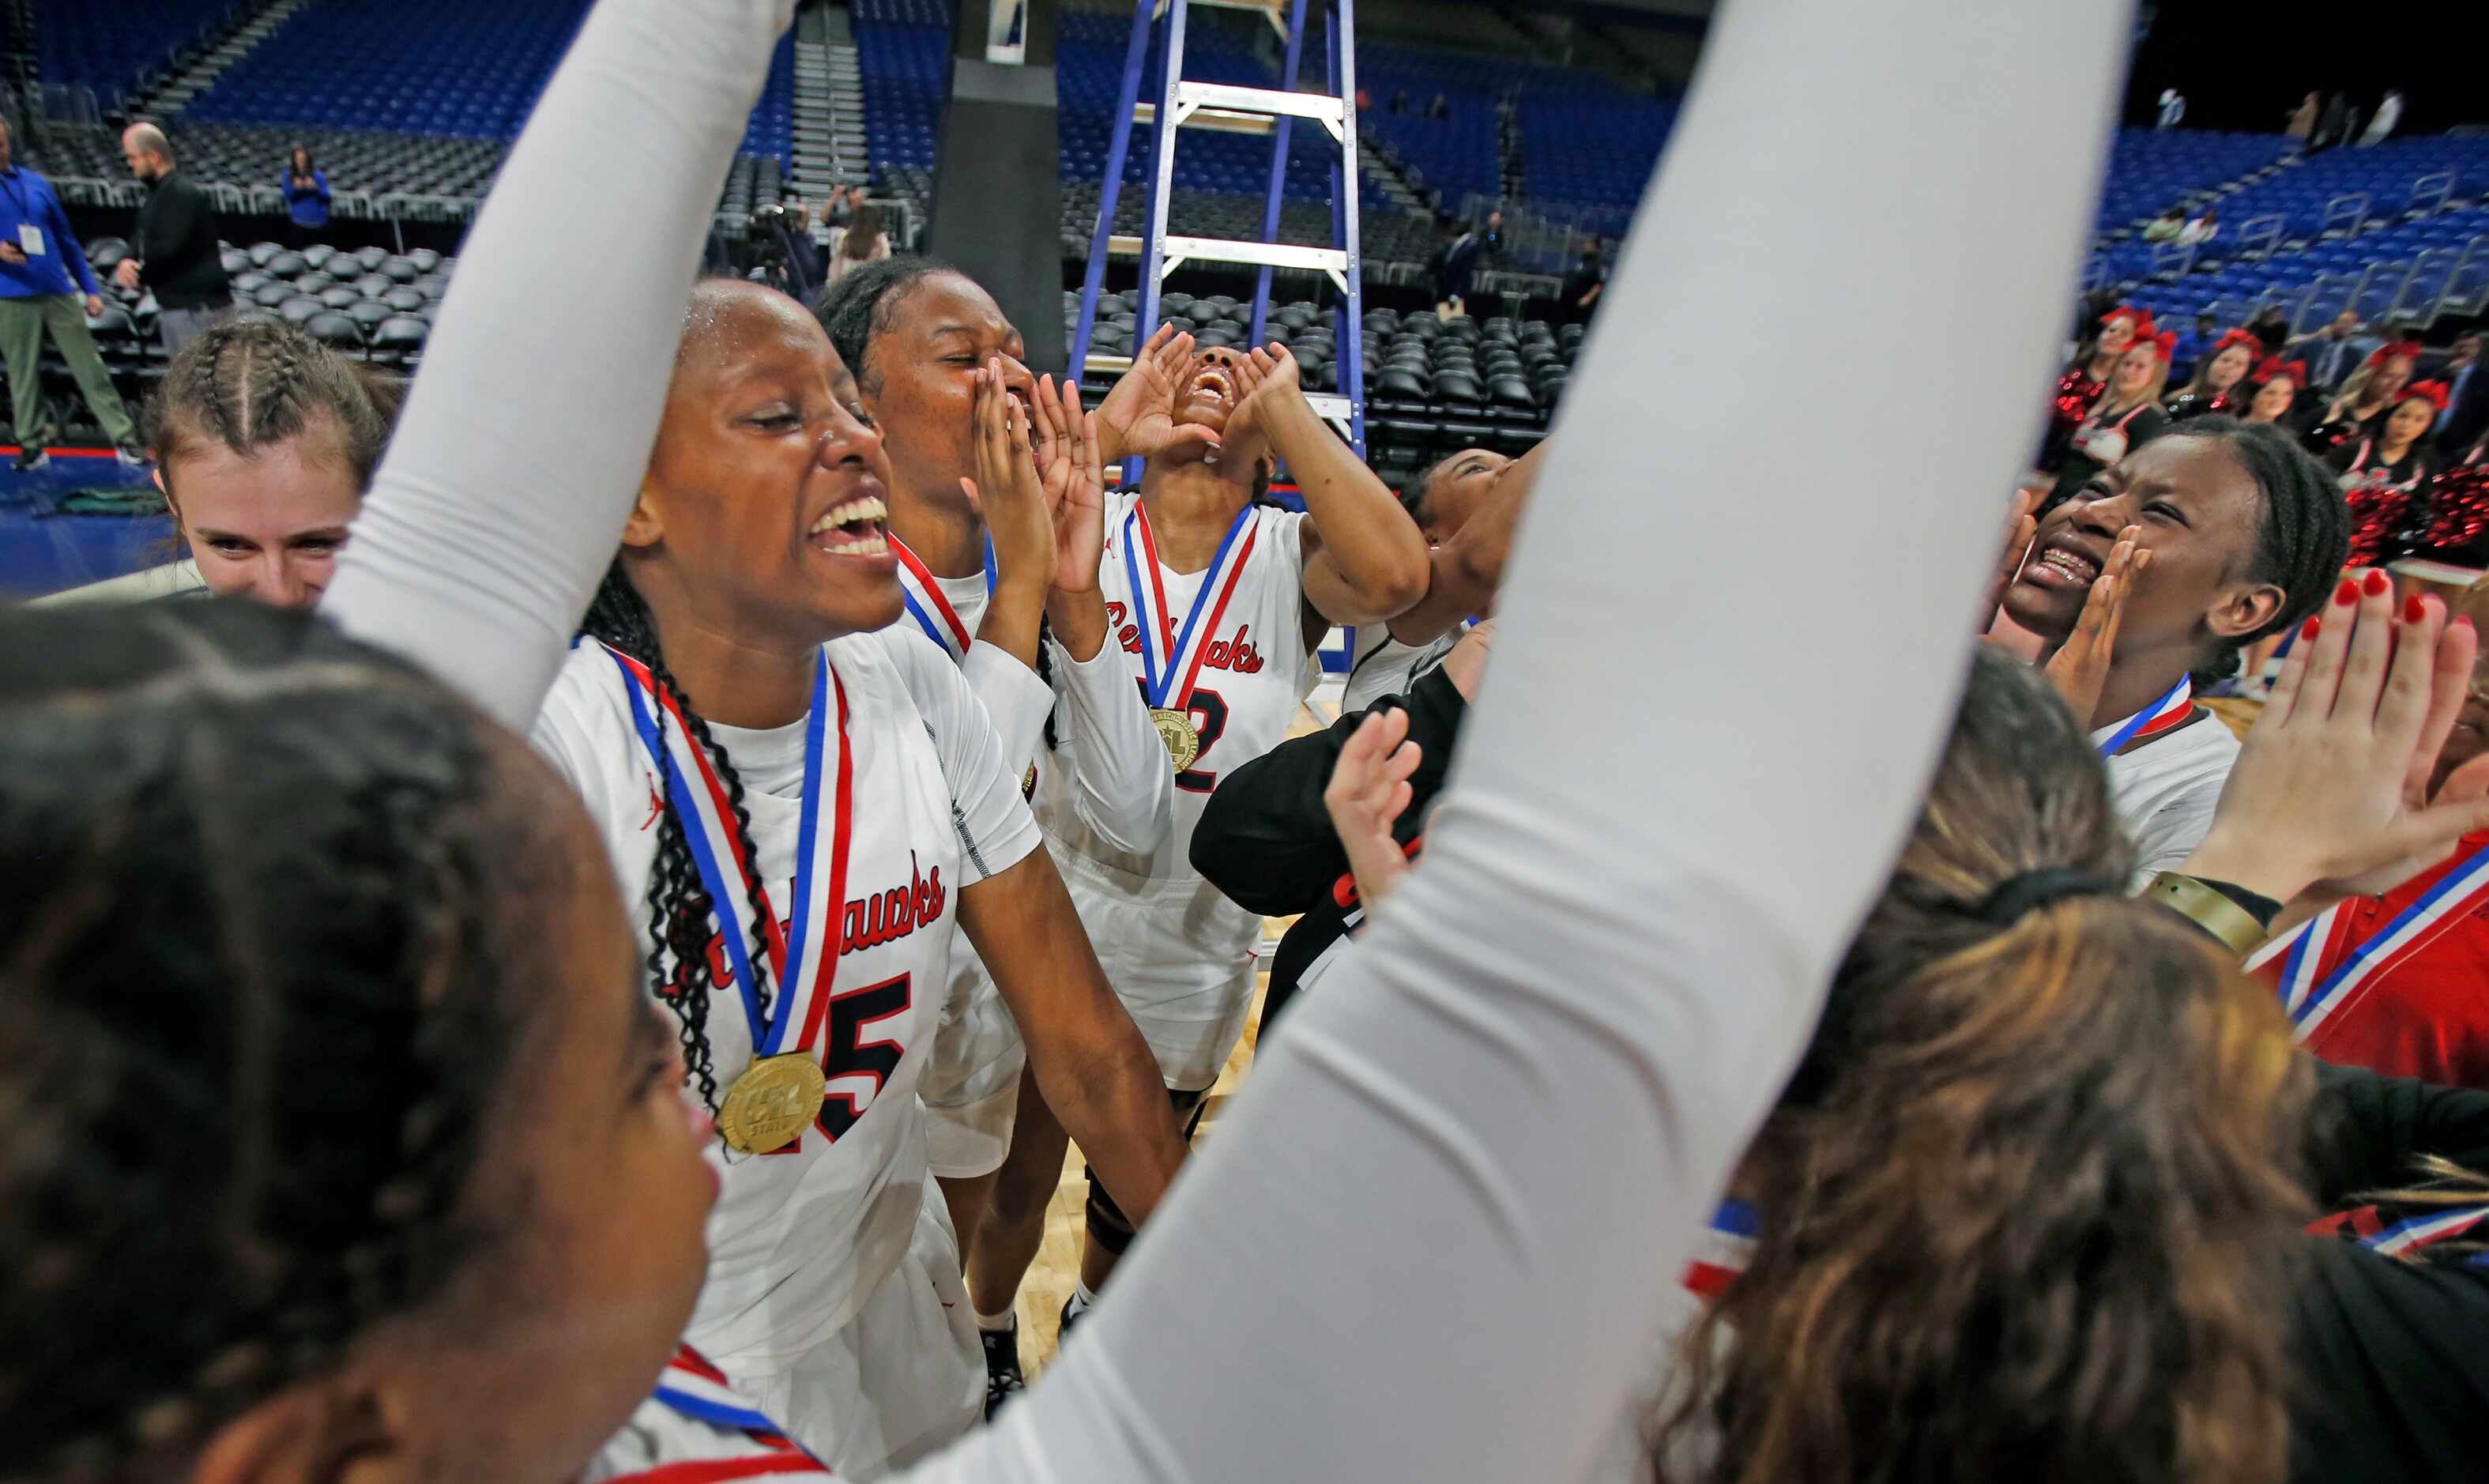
{"x": 30, "y": 236}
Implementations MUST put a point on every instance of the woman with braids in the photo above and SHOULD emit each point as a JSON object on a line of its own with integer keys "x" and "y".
{"x": 936, "y": 364}
{"x": 264, "y": 440}
{"x": 1222, "y": 601}
{"x": 2235, "y": 534}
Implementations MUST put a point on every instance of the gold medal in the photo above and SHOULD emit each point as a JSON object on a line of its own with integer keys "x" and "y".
{"x": 1028, "y": 785}
{"x": 1182, "y": 738}
{"x": 772, "y": 1103}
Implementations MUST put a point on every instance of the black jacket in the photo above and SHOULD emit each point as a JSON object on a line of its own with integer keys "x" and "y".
{"x": 178, "y": 248}
{"x": 1267, "y": 842}
{"x": 2391, "y": 1357}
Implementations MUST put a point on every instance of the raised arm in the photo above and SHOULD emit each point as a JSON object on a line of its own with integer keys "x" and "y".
{"x": 1465, "y": 571}
{"x": 526, "y": 434}
{"x": 1529, "y": 1083}
{"x": 1365, "y": 561}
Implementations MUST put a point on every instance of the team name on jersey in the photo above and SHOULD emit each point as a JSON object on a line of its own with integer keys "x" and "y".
{"x": 1235, "y": 654}
{"x": 868, "y": 921}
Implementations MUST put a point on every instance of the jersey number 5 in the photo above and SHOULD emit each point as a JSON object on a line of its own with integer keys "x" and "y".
{"x": 848, "y": 1055}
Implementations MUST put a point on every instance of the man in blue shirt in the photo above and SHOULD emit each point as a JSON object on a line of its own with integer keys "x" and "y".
{"x": 43, "y": 275}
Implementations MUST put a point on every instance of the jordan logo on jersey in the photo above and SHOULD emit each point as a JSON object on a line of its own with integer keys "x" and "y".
{"x": 868, "y": 922}
{"x": 1235, "y": 654}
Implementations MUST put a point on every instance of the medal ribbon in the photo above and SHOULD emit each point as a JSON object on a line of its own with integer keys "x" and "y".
{"x": 1167, "y": 656}
{"x": 2315, "y": 979}
{"x": 2420, "y": 1231}
{"x": 808, "y": 962}
{"x": 1723, "y": 1249}
{"x": 2152, "y": 721}
{"x": 922, "y": 592}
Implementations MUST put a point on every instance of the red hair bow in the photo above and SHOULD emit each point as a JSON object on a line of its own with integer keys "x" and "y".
{"x": 2142, "y": 319}
{"x": 2408, "y": 349}
{"x": 2274, "y": 365}
{"x": 2234, "y": 337}
{"x": 2165, "y": 342}
{"x": 2434, "y": 393}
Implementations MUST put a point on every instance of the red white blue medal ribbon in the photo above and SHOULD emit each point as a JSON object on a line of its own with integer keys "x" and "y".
{"x": 2315, "y": 977}
{"x": 2150, "y": 721}
{"x": 696, "y": 1388}
{"x": 2420, "y": 1231}
{"x": 1723, "y": 1249}
{"x": 1171, "y": 659}
{"x": 802, "y": 960}
{"x": 922, "y": 592}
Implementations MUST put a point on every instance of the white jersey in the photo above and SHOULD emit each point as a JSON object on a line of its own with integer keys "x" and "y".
{"x": 695, "y": 1417}
{"x": 1254, "y": 671}
{"x": 2164, "y": 791}
{"x": 1384, "y": 665}
{"x": 800, "y": 1239}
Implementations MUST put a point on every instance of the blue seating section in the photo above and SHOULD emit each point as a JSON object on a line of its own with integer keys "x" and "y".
{"x": 2150, "y": 171}
{"x": 1588, "y": 159}
{"x": 109, "y": 44}
{"x": 469, "y": 68}
{"x": 1450, "y": 157}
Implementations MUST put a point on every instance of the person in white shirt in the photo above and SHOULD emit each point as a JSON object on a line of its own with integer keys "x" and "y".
{"x": 2389, "y": 112}
{"x": 2237, "y": 533}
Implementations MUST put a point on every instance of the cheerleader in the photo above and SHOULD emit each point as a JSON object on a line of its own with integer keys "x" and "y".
{"x": 2126, "y": 416}
{"x": 2219, "y": 383}
{"x": 1222, "y": 601}
{"x": 2383, "y": 473}
{"x": 2274, "y": 395}
{"x": 2454, "y": 543}
{"x": 2244, "y": 534}
{"x": 2087, "y": 376}
{"x": 936, "y": 363}
{"x": 2365, "y": 399}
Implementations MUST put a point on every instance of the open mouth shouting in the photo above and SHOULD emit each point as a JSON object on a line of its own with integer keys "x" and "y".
{"x": 2063, "y": 562}
{"x": 855, "y": 527}
{"x": 1210, "y": 393}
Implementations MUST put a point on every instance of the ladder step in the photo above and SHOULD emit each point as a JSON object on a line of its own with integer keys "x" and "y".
{"x": 1263, "y": 101}
{"x": 1215, "y": 250}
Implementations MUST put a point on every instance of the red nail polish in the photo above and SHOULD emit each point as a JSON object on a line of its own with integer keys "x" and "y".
{"x": 2346, "y": 595}
{"x": 2462, "y": 620}
{"x": 2375, "y": 583}
{"x": 2307, "y": 630}
{"x": 2413, "y": 610}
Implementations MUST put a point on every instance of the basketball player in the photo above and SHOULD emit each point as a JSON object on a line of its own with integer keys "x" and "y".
{"x": 1222, "y": 600}
{"x": 918, "y": 333}
{"x": 1467, "y": 505}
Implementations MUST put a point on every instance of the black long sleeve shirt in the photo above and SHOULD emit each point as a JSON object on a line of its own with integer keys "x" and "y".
{"x": 181, "y": 260}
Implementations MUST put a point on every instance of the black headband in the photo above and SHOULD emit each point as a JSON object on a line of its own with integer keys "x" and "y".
{"x": 2018, "y": 895}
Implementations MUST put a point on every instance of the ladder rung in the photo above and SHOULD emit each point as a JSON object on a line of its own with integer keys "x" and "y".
{"x": 1265, "y": 101}
{"x": 1325, "y": 405}
{"x": 1216, "y": 249}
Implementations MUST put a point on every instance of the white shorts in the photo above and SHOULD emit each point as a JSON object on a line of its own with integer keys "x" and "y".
{"x": 1180, "y": 958}
{"x": 971, "y": 1082}
{"x": 904, "y": 1378}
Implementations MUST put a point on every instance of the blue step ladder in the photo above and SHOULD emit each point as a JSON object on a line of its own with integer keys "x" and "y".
{"x": 1182, "y": 105}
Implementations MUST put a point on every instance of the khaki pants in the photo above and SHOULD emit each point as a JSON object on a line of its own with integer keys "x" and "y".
{"x": 22, "y": 323}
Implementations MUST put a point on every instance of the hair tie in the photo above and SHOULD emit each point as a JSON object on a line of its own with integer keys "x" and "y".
{"x": 2019, "y": 895}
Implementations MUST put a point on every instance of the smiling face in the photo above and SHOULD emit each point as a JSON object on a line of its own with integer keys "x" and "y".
{"x": 765, "y": 503}
{"x": 2201, "y": 513}
{"x": 929, "y": 338}
{"x": 265, "y": 526}
{"x": 2273, "y": 399}
{"x": 2227, "y": 370}
{"x": 2135, "y": 370}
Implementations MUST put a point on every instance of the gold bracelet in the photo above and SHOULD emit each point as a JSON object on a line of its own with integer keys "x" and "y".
{"x": 2234, "y": 925}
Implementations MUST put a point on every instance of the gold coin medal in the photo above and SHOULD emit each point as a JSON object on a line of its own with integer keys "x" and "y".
{"x": 774, "y": 1099}
{"x": 1170, "y": 661}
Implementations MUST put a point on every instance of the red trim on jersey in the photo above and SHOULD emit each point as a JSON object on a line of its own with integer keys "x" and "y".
{"x": 707, "y": 1470}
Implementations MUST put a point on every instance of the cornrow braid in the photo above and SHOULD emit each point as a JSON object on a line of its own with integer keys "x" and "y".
{"x": 2302, "y": 541}
{"x": 252, "y": 385}
{"x": 860, "y": 307}
{"x": 247, "y": 1064}
{"x": 682, "y": 917}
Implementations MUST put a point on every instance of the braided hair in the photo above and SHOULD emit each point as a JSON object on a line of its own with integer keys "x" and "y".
{"x": 252, "y": 385}
{"x": 682, "y": 916}
{"x": 257, "y": 918}
{"x": 2302, "y": 541}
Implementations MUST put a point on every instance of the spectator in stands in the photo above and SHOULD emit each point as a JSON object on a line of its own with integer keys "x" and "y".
{"x": 306, "y": 194}
{"x": 2220, "y": 381}
{"x": 2173, "y": 108}
{"x": 1584, "y": 285}
{"x": 2086, "y": 376}
{"x": 1454, "y": 265}
{"x": 841, "y": 209}
{"x": 43, "y": 273}
{"x": 176, "y": 254}
{"x": 2333, "y": 125}
{"x": 2129, "y": 415}
{"x": 2192, "y": 345}
{"x": 2271, "y": 327}
{"x": 2385, "y": 472}
{"x": 2329, "y": 352}
{"x": 1490, "y": 238}
{"x": 2454, "y": 369}
{"x": 2359, "y": 409}
{"x": 865, "y": 242}
{"x": 2165, "y": 227}
{"x": 1439, "y": 108}
{"x": 2302, "y": 121}
{"x": 2277, "y": 387}
{"x": 2203, "y": 229}
{"x": 2389, "y": 112}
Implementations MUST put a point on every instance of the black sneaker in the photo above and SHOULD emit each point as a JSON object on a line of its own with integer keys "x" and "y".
{"x": 32, "y": 457}
{"x": 1003, "y": 1378}
{"x": 1074, "y": 1311}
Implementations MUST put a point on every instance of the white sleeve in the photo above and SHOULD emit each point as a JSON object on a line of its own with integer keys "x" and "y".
{"x": 996, "y": 830}
{"x": 1121, "y": 784}
{"x": 1015, "y": 698}
{"x": 503, "y": 496}
{"x": 1547, "y": 1055}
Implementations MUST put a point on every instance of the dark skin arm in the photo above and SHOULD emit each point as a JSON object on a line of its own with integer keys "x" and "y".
{"x": 1096, "y": 1073}
{"x": 1466, "y": 570}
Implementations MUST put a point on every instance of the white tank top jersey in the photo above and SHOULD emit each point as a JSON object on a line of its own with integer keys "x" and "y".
{"x": 1383, "y": 666}
{"x": 800, "y": 1239}
{"x": 2165, "y": 790}
{"x": 1254, "y": 671}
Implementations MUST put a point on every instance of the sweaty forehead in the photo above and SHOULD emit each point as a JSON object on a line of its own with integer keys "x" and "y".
{"x": 730, "y": 322}
{"x": 947, "y": 301}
